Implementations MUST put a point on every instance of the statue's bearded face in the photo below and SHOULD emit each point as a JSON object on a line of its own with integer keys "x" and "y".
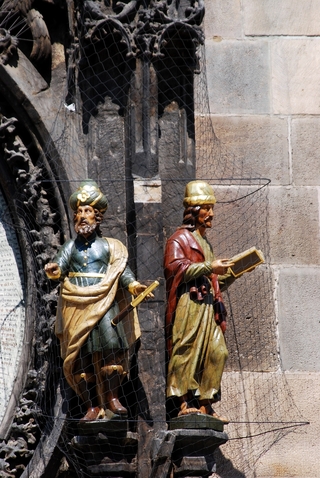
{"x": 85, "y": 220}
{"x": 205, "y": 216}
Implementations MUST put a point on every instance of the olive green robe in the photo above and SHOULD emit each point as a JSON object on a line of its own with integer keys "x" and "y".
{"x": 199, "y": 350}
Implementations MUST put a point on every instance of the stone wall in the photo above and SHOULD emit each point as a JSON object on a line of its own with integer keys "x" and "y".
{"x": 263, "y": 62}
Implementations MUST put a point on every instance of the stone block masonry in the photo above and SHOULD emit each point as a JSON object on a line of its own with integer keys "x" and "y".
{"x": 263, "y": 67}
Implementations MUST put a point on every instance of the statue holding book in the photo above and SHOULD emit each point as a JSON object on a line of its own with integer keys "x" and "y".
{"x": 195, "y": 314}
{"x": 95, "y": 279}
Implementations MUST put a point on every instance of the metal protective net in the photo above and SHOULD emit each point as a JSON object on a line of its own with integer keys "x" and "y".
{"x": 131, "y": 121}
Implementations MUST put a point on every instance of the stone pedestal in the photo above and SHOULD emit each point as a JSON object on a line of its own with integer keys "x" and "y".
{"x": 105, "y": 448}
{"x": 186, "y": 452}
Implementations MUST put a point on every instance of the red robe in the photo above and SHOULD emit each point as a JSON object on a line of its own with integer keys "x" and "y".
{"x": 182, "y": 249}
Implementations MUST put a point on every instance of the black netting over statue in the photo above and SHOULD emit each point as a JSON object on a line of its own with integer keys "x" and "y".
{"x": 125, "y": 103}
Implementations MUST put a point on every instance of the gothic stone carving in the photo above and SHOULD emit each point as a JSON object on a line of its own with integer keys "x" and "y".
{"x": 110, "y": 36}
{"x": 32, "y": 204}
{"x": 18, "y": 15}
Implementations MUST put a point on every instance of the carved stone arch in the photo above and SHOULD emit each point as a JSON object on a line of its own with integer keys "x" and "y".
{"x": 176, "y": 63}
{"x": 30, "y": 160}
{"x": 105, "y": 68}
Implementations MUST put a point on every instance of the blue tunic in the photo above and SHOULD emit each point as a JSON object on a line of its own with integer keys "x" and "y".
{"x": 92, "y": 255}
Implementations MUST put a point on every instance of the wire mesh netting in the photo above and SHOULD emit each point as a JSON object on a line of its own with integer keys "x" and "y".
{"x": 136, "y": 121}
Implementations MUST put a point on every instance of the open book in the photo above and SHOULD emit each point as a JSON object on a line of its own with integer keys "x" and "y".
{"x": 246, "y": 261}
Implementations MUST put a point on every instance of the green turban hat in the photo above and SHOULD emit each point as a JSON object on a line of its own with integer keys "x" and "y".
{"x": 89, "y": 194}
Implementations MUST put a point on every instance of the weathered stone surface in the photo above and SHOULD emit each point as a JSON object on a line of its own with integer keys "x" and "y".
{"x": 295, "y": 76}
{"x": 294, "y": 233}
{"x": 58, "y": 78}
{"x": 147, "y": 190}
{"x": 176, "y": 153}
{"x": 150, "y": 398}
{"x": 305, "y": 141}
{"x": 251, "y": 330}
{"x": 176, "y": 161}
{"x": 298, "y": 317}
{"x": 149, "y": 247}
{"x": 240, "y": 220}
{"x": 285, "y": 457}
{"x": 239, "y": 225}
{"x": 223, "y": 19}
{"x": 197, "y": 442}
{"x": 240, "y": 82}
{"x": 46, "y": 456}
{"x": 287, "y": 17}
{"x": 238, "y": 75}
{"x": 106, "y": 164}
{"x": 276, "y": 402}
{"x": 111, "y": 425}
{"x": 191, "y": 450}
{"x": 257, "y": 144}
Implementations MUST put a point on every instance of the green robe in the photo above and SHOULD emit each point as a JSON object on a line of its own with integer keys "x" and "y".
{"x": 199, "y": 350}
{"x": 87, "y": 304}
{"x": 92, "y": 255}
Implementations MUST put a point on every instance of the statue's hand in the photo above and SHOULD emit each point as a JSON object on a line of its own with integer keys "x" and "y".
{"x": 138, "y": 288}
{"x": 52, "y": 270}
{"x": 221, "y": 266}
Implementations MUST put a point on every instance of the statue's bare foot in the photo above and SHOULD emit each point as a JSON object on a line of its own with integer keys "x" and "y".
{"x": 186, "y": 410}
{"x": 208, "y": 410}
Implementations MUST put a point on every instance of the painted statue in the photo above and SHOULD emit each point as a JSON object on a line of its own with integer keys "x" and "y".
{"x": 95, "y": 276}
{"x": 195, "y": 315}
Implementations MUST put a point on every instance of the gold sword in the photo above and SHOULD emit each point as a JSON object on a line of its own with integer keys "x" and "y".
{"x": 134, "y": 303}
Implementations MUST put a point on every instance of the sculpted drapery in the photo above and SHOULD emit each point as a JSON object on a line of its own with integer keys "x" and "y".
{"x": 81, "y": 308}
{"x": 95, "y": 277}
{"x": 195, "y": 341}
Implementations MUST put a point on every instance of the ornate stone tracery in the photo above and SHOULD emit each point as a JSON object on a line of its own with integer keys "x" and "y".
{"x": 36, "y": 225}
{"x": 15, "y": 11}
{"x": 8, "y": 45}
{"x": 121, "y": 34}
